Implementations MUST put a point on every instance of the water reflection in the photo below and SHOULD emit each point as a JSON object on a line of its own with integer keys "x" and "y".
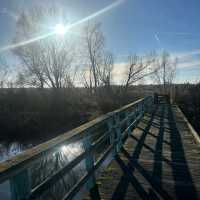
{"x": 57, "y": 159}
{"x": 8, "y": 151}
{"x": 47, "y": 166}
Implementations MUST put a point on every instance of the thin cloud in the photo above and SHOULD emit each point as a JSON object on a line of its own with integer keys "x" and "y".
{"x": 119, "y": 72}
{"x": 179, "y": 33}
{"x": 10, "y": 14}
{"x": 186, "y": 54}
{"x": 187, "y": 59}
{"x": 189, "y": 64}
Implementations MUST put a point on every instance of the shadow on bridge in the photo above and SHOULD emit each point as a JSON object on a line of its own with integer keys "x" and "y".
{"x": 183, "y": 188}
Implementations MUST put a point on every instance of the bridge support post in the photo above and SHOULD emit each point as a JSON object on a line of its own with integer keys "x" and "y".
{"x": 89, "y": 162}
{"x": 20, "y": 186}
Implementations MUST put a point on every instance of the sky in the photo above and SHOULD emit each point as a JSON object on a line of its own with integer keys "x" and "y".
{"x": 131, "y": 26}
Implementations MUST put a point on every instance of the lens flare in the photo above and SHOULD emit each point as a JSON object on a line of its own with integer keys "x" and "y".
{"x": 71, "y": 150}
{"x": 61, "y": 29}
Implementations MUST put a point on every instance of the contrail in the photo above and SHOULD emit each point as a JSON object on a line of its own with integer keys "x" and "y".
{"x": 92, "y": 16}
{"x": 157, "y": 38}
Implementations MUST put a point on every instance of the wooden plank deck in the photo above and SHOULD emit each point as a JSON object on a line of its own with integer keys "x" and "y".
{"x": 160, "y": 160}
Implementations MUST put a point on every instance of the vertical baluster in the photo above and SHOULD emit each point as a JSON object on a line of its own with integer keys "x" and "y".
{"x": 20, "y": 185}
{"x": 89, "y": 161}
{"x": 143, "y": 107}
{"x": 138, "y": 109}
{"x": 112, "y": 135}
{"x": 128, "y": 122}
{"x": 134, "y": 116}
{"x": 148, "y": 104}
{"x": 135, "y": 113}
{"x": 118, "y": 132}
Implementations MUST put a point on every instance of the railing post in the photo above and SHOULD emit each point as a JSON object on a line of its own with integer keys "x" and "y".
{"x": 89, "y": 162}
{"x": 118, "y": 132}
{"x": 128, "y": 122}
{"x": 137, "y": 110}
{"x": 20, "y": 186}
{"x": 148, "y": 104}
{"x": 143, "y": 107}
{"x": 134, "y": 113}
{"x": 112, "y": 135}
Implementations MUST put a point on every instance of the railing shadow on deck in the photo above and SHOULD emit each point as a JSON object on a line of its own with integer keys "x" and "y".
{"x": 127, "y": 178}
{"x": 184, "y": 187}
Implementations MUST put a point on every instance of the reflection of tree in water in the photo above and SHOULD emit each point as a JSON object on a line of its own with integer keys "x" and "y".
{"x": 8, "y": 151}
{"x": 51, "y": 163}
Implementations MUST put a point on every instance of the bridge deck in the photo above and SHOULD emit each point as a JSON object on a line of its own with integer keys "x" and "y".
{"x": 160, "y": 160}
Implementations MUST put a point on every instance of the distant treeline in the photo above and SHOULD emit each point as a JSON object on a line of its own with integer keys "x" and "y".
{"x": 188, "y": 98}
{"x": 36, "y": 115}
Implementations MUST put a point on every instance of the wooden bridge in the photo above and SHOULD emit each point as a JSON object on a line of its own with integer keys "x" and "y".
{"x": 145, "y": 150}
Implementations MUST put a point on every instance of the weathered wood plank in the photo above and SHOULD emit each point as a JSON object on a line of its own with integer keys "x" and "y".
{"x": 160, "y": 160}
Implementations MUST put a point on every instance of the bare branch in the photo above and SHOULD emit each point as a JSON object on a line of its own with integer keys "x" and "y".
{"x": 48, "y": 62}
{"x": 138, "y": 68}
{"x": 165, "y": 71}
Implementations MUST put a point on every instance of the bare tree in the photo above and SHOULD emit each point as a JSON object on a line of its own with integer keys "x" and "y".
{"x": 46, "y": 62}
{"x": 94, "y": 47}
{"x": 138, "y": 68}
{"x": 105, "y": 69}
{"x": 4, "y": 73}
{"x": 165, "y": 72}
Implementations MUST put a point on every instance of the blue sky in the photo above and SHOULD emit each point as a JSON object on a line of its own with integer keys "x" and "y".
{"x": 134, "y": 26}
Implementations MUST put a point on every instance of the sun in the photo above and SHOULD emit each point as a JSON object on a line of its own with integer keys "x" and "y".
{"x": 60, "y": 29}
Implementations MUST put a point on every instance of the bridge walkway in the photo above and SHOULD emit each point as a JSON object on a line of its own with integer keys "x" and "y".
{"x": 159, "y": 160}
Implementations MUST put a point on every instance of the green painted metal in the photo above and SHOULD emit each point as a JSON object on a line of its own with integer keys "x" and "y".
{"x": 118, "y": 133}
{"x": 111, "y": 135}
{"x": 89, "y": 160}
{"x": 116, "y": 126}
{"x": 20, "y": 186}
{"x": 128, "y": 121}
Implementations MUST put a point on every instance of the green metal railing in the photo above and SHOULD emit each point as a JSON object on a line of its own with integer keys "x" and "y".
{"x": 24, "y": 177}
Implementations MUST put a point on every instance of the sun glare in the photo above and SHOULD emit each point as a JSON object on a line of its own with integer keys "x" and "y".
{"x": 60, "y": 29}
